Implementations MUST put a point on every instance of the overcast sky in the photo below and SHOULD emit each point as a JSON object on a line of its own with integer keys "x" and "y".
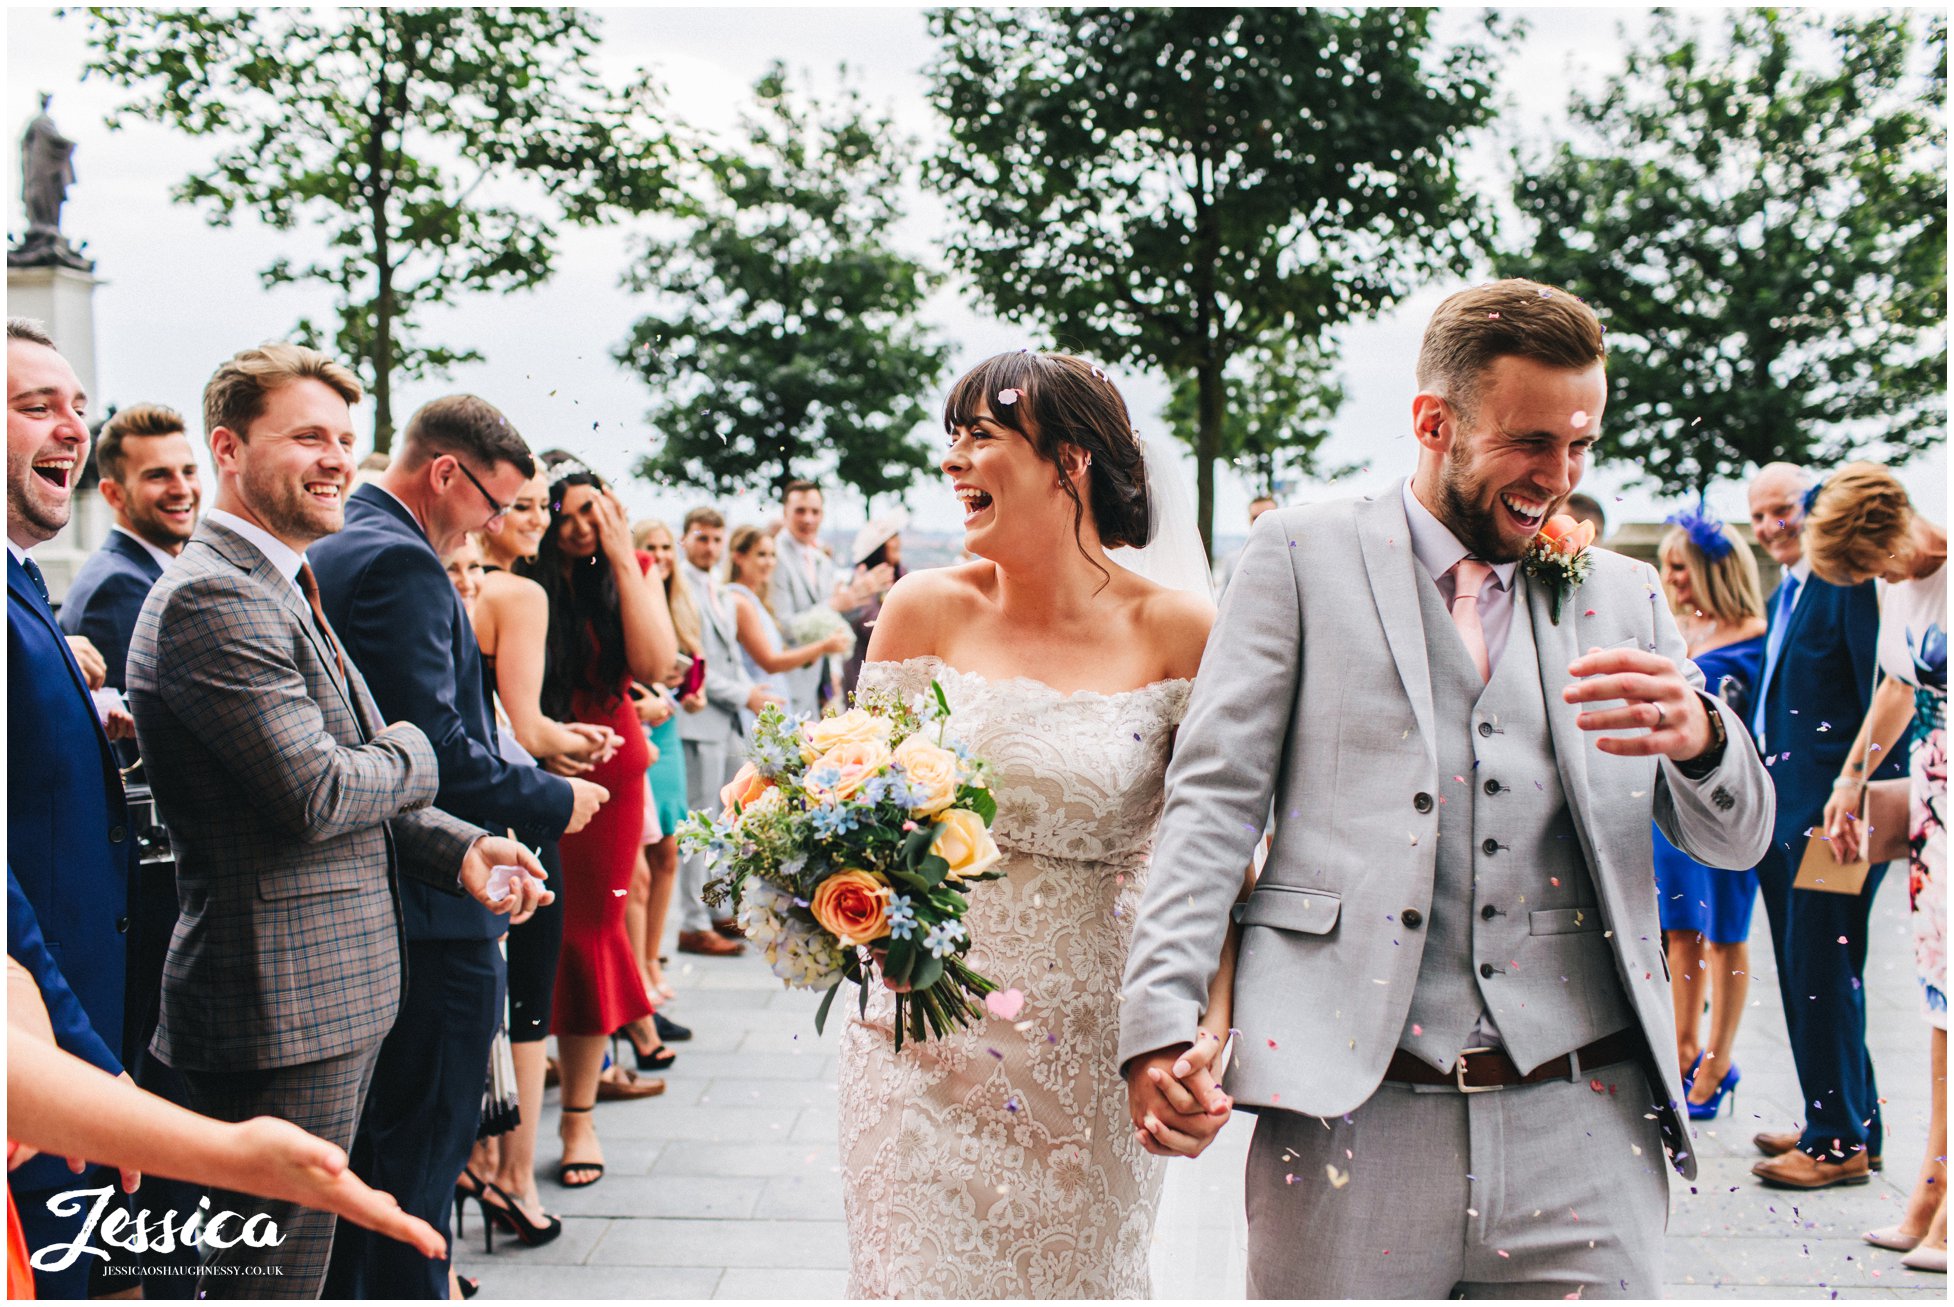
{"x": 179, "y": 296}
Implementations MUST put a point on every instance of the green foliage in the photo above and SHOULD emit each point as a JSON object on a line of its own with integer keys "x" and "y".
{"x": 782, "y": 337}
{"x": 1280, "y": 399}
{"x": 405, "y": 138}
{"x": 1759, "y": 215}
{"x": 1170, "y": 187}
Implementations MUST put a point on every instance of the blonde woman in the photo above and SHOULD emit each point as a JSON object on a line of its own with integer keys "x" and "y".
{"x": 1860, "y": 523}
{"x": 1711, "y": 580}
{"x": 750, "y": 563}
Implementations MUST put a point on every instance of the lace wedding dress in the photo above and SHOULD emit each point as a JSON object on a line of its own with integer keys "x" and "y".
{"x": 1000, "y": 1162}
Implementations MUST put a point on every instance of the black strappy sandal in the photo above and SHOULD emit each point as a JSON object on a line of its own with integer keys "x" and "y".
{"x": 565, "y": 1167}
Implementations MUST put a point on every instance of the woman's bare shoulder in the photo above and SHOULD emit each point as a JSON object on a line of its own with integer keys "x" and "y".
{"x": 1177, "y": 623}
{"x": 923, "y": 605}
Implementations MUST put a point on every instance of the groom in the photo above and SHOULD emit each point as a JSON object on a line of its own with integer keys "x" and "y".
{"x": 1454, "y": 1012}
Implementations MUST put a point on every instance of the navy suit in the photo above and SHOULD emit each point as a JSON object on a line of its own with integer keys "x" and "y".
{"x": 388, "y": 596}
{"x": 1813, "y": 705}
{"x": 70, "y": 846}
{"x": 106, "y": 598}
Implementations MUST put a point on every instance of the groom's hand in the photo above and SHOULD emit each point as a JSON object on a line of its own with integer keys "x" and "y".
{"x": 1168, "y": 1119}
{"x": 1653, "y": 694}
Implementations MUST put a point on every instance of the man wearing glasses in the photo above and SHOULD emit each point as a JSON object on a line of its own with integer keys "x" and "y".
{"x": 385, "y": 591}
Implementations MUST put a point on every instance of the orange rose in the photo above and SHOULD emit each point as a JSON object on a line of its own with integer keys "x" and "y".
{"x": 1555, "y": 527}
{"x": 1583, "y": 536}
{"x": 1566, "y": 536}
{"x": 853, "y": 906}
{"x": 746, "y": 786}
{"x": 852, "y": 763}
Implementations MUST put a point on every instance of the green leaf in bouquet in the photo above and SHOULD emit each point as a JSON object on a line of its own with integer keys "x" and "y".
{"x": 917, "y": 846}
{"x": 933, "y": 869}
{"x": 821, "y": 1013}
{"x": 929, "y": 970}
{"x": 942, "y": 699}
{"x": 911, "y": 881}
{"x": 900, "y": 958}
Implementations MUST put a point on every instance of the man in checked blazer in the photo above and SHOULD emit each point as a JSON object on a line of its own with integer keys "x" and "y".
{"x": 1456, "y": 1028}
{"x": 291, "y": 806}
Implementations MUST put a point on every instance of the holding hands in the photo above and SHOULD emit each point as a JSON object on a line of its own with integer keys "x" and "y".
{"x": 1654, "y": 694}
{"x": 1175, "y": 1099}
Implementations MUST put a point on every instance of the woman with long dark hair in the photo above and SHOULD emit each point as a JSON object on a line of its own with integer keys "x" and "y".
{"x": 607, "y": 626}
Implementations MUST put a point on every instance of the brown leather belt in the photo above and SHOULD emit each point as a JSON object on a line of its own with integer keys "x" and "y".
{"x": 1490, "y": 1068}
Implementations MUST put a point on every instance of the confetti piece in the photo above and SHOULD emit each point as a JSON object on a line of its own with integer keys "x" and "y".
{"x": 1578, "y": 419}
{"x": 1008, "y": 396}
{"x": 1338, "y": 1179}
{"x": 1005, "y": 1006}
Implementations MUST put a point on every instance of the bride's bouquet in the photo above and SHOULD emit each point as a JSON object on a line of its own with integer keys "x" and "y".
{"x": 847, "y": 846}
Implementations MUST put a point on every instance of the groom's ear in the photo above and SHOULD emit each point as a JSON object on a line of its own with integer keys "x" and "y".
{"x": 1433, "y": 421}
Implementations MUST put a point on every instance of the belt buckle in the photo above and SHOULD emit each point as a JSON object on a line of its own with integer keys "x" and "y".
{"x": 1459, "y": 1071}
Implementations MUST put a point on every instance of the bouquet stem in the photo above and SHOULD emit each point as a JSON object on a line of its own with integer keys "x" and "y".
{"x": 954, "y": 1001}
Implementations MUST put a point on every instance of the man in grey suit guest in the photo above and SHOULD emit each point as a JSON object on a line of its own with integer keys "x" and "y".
{"x": 291, "y": 806}
{"x": 713, "y": 736}
{"x": 1459, "y": 895}
{"x": 807, "y": 578}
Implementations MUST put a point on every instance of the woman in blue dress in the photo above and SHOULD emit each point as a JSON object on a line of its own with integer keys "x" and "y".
{"x": 750, "y": 562}
{"x": 1711, "y": 579}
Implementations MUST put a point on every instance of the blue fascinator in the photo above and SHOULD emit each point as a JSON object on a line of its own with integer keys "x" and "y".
{"x": 1704, "y": 530}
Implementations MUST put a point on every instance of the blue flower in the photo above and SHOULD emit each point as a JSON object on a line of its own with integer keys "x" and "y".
{"x": 902, "y": 917}
{"x": 830, "y": 820}
{"x": 943, "y": 938}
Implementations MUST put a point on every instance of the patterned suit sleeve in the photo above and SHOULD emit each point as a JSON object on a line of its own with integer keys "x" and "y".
{"x": 1724, "y": 817}
{"x": 432, "y": 844}
{"x": 225, "y": 648}
{"x": 72, "y": 1030}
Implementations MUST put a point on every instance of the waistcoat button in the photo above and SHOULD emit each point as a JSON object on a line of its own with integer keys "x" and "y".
{"x": 1489, "y": 912}
{"x": 1492, "y": 787}
{"x": 1486, "y": 970}
{"x": 1412, "y": 918}
{"x": 1422, "y": 802}
{"x": 1489, "y": 847}
{"x": 1485, "y": 728}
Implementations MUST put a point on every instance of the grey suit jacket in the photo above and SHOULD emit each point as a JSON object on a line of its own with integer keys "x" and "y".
{"x": 1315, "y": 695}
{"x": 793, "y": 594}
{"x": 287, "y": 801}
{"x": 727, "y": 684}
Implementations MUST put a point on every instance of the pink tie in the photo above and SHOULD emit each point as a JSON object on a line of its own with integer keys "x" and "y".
{"x": 1469, "y": 575}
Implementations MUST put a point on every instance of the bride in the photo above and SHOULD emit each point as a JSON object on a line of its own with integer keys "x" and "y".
{"x": 1000, "y": 1162}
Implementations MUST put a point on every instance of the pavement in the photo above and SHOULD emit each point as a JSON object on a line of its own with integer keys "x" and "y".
{"x": 729, "y": 1185}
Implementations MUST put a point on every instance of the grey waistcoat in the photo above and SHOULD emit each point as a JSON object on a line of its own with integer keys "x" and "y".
{"x": 1515, "y": 932}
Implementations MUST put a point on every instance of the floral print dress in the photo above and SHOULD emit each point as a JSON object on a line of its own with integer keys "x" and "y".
{"x": 1913, "y": 649}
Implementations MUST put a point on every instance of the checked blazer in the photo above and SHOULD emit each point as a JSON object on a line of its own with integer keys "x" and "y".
{"x": 288, "y": 804}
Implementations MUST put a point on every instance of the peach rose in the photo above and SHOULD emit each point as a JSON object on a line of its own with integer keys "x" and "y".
{"x": 856, "y": 726}
{"x": 1566, "y": 535}
{"x": 853, "y": 906}
{"x": 744, "y": 789}
{"x": 963, "y": 841}
{"x": 931, "y": 769}
{"x": 853, "y": 762}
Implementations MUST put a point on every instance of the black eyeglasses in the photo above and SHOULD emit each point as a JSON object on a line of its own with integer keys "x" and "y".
{"x": 499, "y": 510}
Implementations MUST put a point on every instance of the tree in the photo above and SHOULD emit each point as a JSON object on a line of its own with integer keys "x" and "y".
{"x": 1760, "y": 218}
{"x": 783, "y": 330}
{"x": 1278, "y": 403}
{"x": 1172, "y": 186}
{"x": 402, "y": 136}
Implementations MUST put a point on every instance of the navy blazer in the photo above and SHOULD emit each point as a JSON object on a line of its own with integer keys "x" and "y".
{"x": 106, "y": 598}
{"x": 388, "y": 596}
{"x": 1815, "y": 700}
{"x": 68, "y": 836}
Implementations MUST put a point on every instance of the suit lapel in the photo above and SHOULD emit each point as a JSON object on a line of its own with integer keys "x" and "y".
{"x": 1385, "y": 538}
{"x": 248, "y": 558}
{"x": 21, "y": 587}
{"x": 135, "y": 553}
{"x": 1799, "y": 612}
{"x": 1555, "y": 645}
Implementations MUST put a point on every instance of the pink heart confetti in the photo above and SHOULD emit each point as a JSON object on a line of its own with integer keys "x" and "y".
{"x": 1005, "y": 1006}
{"x": 1008, "y": 396}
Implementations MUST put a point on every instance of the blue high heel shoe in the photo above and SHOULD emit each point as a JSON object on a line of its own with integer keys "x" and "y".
{"x": 1727, "y": 1089}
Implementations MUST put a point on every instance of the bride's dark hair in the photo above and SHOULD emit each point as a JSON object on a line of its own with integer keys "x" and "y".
{"x": 1065, "y": 400}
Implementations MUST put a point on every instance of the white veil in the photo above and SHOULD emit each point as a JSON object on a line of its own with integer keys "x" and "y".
{"x": 1173, "y": 555}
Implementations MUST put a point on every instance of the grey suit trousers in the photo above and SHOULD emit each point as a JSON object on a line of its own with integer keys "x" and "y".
{"x": 1430, "y": 1193}
{"x": 705, "y": 773}
{"x": 323, "y": 1097}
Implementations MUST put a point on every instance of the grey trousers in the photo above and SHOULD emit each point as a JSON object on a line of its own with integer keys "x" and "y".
{"x": 705, "y": 773}
{"x": 323, "y": 1097}
{"x": 1537, "y": 1191}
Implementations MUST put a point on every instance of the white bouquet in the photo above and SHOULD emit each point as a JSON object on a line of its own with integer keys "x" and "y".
{"x": 818, "y": 623}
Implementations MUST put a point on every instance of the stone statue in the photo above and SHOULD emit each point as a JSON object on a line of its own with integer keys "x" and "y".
{"x": 47, "y": 169}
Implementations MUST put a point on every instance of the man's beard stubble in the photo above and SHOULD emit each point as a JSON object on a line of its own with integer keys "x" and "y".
{"x": 1470, "y": 523}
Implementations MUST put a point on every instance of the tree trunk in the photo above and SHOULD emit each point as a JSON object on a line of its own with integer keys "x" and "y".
{"x": 1211, "y": 401}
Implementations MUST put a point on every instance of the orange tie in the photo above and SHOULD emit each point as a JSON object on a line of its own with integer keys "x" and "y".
{"x": 1469, "y": 576}
{"x": 310, "y": 585}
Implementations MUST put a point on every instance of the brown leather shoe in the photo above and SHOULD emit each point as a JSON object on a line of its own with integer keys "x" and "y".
{"x": 1799, "y": 1170}
{"x": 711, "y": 944}
{"x": 728, "y": 927}
{"x": 1776, "y": 1143}
{"x": 621, "y": 1083}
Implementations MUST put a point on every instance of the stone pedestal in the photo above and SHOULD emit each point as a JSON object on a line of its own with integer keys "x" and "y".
{"x": 63, "y": 301}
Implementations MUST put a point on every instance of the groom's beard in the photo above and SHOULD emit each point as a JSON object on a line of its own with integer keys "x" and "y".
{"x": 1473, "y": 524}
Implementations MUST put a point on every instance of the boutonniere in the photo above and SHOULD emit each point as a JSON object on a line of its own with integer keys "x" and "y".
{"x": 1558, "y": 558}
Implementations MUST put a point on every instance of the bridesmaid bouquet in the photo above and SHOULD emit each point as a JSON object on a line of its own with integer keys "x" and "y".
{"x": 818, "y": 623}
{"x": 846, "y": 848}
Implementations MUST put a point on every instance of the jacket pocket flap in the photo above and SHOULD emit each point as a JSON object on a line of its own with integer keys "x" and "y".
{"x": 1563, "y": 921}
{"x": 1312, "y": 912}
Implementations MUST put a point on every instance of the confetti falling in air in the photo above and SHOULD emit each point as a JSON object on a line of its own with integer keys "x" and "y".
{"x": 1008, "y": 396}
{"x": 1338, "y": 1179}
{"x": 1005, "y": 1006}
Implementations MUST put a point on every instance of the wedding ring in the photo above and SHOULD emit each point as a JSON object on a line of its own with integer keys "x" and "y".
{"x": 1658, "y": 718}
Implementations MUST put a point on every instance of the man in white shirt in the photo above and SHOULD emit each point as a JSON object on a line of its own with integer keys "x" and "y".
{"x": 807, "y": 578}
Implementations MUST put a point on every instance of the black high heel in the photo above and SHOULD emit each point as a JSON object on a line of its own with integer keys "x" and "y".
{"x": 462, "y": 1194}
{"x": 657, "y": 1059}
{"x": 511, "y": 1218}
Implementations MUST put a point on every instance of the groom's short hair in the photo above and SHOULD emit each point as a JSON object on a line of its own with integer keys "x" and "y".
{"x": 1514, "y": 317}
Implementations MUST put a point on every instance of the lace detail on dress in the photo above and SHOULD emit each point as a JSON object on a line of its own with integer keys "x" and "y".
{"x": 1000, "y": 1163}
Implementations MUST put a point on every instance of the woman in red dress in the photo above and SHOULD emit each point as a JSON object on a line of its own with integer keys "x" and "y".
{"x": 607, "y": 627}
